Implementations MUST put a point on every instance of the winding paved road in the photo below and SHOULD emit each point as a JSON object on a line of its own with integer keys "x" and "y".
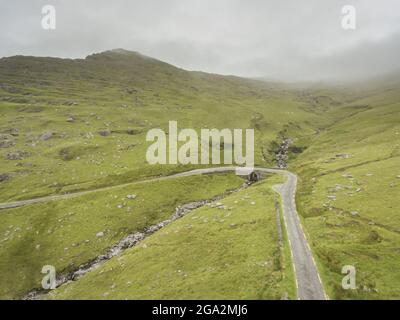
{"x": 308, "y": 282}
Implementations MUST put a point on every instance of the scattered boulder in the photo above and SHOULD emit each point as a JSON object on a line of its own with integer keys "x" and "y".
{"x": 104, "y": 133}
{"x": 70, "y": 119}
{"x": 128, "y": 147}
{"x": 338, "y": 187}
{"x": 100, "y": 234}
{"x": 4, "y": 177}
{"x": 374, "y": 236}
{"x": 347, "y": 175}
{"x": 133, "y": 132}
{"x": 46, "y": 136}
{"x": 6, "y": 143}
{"x": 17, "y": 155}
{"x": 343, "y": 156}
{"x": 131, "y": 90}
{"x": 6, "y": 140}
{"x": 68, "y": 153}
{"x": 12, "y": 131}
{"x": 70, "y": 103}
{"x": 131, "y": 196}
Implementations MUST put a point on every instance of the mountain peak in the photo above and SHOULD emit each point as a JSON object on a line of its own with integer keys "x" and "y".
{"x": 120, "y": 53}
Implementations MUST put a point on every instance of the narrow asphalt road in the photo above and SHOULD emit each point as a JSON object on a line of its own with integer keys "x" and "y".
{"x": 308, "y": 282}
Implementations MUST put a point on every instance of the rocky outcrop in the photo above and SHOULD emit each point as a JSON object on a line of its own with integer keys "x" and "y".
{"x": 6, "y": 140}
{"x": 17, "y": 155}
{"x": 4, "y": 177}
{"x": 46, "y": 136}
{"x": 104, "y": 133}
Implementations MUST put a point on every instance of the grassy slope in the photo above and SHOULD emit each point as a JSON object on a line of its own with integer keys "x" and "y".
{"x": 350, "y": 205}
{"x": 126, "y": 94}
{"x": 120, "y": 92}
{"x": 211, "y": 253}
{"x": 125, "y": 91}
{"x": 63, "y": 233}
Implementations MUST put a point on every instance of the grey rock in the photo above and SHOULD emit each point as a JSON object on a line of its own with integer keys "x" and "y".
{"x": 343, "y": 156}
{"x": 104, "y": 133}
{"x": 17, "y": 155}
{"x": 12, "y": 131}
{"x": 71, "y": 103}
{"x": 46, "y": 136}
{"x": 100, "y": 234}
{"x": 4, "y": 177}
{"x": 6, "y": 141}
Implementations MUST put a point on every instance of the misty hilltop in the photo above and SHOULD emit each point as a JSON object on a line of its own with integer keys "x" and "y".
{"x": 285, "y": 42}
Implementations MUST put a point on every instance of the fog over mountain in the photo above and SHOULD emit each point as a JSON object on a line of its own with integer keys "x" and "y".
{"x": 278, "y": 40}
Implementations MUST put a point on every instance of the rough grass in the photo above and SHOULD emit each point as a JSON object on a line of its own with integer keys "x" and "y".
{"x": 76, "y": 100}
{"x": 211, "y": 253}
{"x": 63, "y": 233}
{"x": 335, "y": 132}
{"x": 349, "y": 198}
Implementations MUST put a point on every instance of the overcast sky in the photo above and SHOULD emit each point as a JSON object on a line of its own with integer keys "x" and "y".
{"x": 277, "y": 39}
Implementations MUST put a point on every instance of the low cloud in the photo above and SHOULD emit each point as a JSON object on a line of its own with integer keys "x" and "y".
{"x": 284, "y": 40}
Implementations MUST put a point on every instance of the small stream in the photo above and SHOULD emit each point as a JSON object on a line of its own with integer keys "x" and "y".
{"x": 281, "y": 154}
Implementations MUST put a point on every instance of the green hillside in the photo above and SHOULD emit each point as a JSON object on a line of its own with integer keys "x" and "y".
{"x": 349, "y": 193}
{"x": 73, "y": 125}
